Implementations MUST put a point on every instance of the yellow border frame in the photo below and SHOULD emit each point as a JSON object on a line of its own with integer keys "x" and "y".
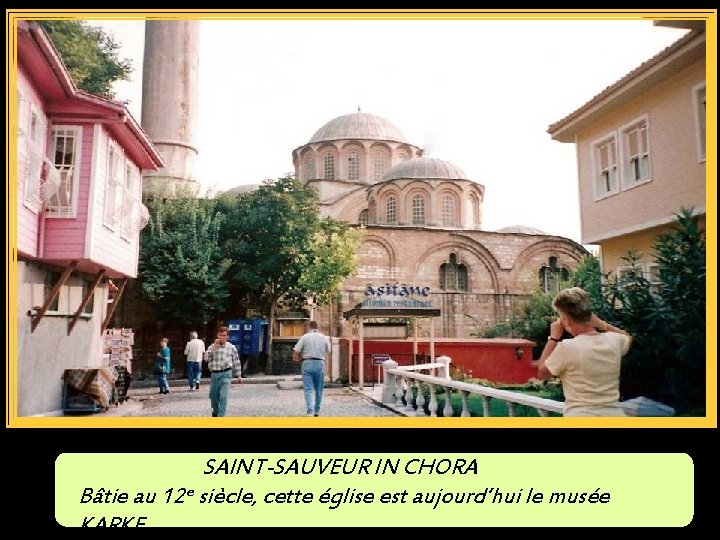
{"x": 14, "y": 421}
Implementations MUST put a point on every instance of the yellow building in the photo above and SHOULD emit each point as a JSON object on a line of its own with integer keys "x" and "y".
{"x": 640, "y": 147}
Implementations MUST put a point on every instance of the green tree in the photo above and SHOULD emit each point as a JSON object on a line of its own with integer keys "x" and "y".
{"x": 630, "y": 303}
{"x": 332, "y": 259}
{"x": 667, "y": 320}
{"x": 269, "y": 237}
{"x": 90, "y": 54}
{"x": 681, "y": 258}
{"x": 588, "y": 276}
{"x": 182, "y": 267}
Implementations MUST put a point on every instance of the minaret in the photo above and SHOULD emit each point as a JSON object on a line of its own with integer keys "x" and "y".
{"x": 170, "y": 104}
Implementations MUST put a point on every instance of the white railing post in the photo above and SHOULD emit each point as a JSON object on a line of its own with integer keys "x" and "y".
{"x": 420, "y": 400}
{"x": 446, "y": 368}
{"x": 389, "y": 385}
{"x": 409, "y": 383}
{"x": 433, "y": 405}
{"x": 447, "y": 409}
{"x": 465, "y": 409}
{"x": 486, "y": 405}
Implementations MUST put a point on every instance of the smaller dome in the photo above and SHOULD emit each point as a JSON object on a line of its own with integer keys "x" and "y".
{"x": 425, "y": 167}
{"x": 358, "y": 126}
{"x": 242, "y": 188}
{"x": 521, "y": 229}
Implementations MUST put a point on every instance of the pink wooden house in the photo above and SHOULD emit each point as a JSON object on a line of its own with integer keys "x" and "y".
{"x": 79, "y": 213}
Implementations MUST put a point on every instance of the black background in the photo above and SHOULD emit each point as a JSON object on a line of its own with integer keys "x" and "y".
{"x": 31, "y": 454}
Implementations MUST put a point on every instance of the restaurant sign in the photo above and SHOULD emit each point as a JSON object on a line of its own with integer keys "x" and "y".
{"x": 397, "y": 295}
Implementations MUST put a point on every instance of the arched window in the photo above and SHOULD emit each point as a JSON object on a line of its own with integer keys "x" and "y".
{"x": 390, "y": 210}
{"x": 448, "y": 210}
{"x": 454, "y": 275}
{"x": 552, "y": 277}
{"x": 363, "y": 217}
{"x": 379, "y": 166}
{"x": 462, "y": 278}
{"x": 418, "y": 210}
{"x": 310, "y": 169}
{"x": 475, "y": 208}
{"x": 354, "y": 165}
{"x": 329, "y": 167}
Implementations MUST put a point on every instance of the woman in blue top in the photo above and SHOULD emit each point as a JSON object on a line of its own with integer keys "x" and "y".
{"x": 162, "y": 366}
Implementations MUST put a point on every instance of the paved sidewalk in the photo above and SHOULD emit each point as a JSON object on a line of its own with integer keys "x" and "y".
{"x": 256, "y": 396}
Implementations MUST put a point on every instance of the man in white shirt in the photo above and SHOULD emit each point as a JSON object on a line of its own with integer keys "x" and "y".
{"x": 194, "y": 350}
{"x": 312, "y": 349}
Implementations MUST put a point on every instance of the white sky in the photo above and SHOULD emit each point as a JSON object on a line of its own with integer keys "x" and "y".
{"x": 480, "y": 94}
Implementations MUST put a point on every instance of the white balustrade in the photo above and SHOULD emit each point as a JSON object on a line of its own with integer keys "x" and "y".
{"x": 417, "y": 376}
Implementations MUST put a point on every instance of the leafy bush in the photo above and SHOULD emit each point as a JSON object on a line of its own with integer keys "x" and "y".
{"x": 532, "y": 321}
{"x": 667, "y": 321}
{"x": 667, "y": 359}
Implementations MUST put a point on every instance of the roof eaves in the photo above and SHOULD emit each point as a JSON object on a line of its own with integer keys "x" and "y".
{"x": 608, "y": 92}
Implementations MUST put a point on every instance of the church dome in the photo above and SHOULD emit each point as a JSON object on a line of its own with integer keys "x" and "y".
{"x": 521, "y": 229}
{"x": 358, "y": 126}
{"x": 425, "y": 168}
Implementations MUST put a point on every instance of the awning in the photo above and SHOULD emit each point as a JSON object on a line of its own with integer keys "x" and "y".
{"x": 362, "y": 313}
{"x": 391, "y": 312}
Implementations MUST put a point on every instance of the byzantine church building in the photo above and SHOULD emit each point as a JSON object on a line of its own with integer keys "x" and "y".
{"x": 422, "y": 218}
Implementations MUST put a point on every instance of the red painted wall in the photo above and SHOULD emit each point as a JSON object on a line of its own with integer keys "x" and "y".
{"x": 493, "y": 359}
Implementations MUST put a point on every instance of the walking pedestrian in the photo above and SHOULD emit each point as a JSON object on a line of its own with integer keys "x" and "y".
{"x": 223, "y": 363}
{"x": 194, "y": 350}
{"x": 312, "y": 349}
{"x": 163, "y": 366}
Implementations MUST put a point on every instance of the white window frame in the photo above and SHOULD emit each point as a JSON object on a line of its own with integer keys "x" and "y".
{"x": 130, "y": 202}
{"x": 652, "y": 274}
{"x": 700, "y": 120}
{"x": 647, "y": 270}
{"x": 23, "y": 109}
{"x": 69, "y": 296}
{"x": 620, "y": 271}
{"x": 22, "y": 143}
{"x": 114, "y": 183}
{"x": 627, "y": 158}
{"x": 36, "y": 154}
{"x": 601, "y": 192}
{"x": 72, "y": 171}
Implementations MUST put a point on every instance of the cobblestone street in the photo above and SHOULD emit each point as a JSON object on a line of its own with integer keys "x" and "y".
{"x": 251, "y": 398}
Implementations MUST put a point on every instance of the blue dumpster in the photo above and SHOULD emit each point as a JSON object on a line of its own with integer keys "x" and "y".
{"x": 250, "y": 336}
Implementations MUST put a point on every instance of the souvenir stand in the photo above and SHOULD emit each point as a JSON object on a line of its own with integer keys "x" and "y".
{"x": 117, "y": 344}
